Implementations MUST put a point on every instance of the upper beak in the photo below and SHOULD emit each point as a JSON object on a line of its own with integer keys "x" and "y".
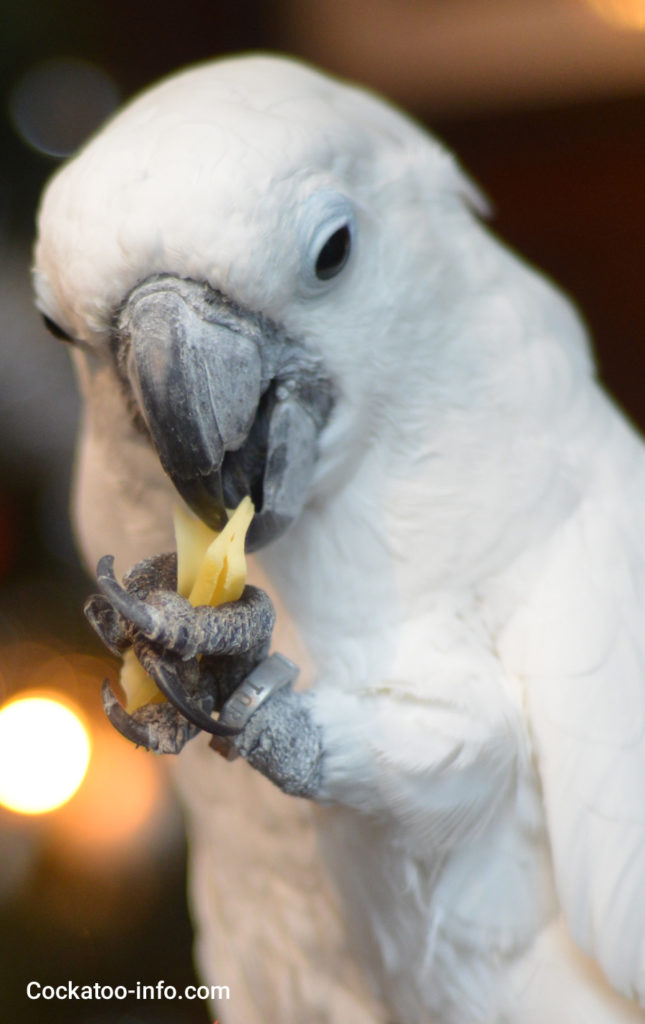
{"x": 197, "y": 378}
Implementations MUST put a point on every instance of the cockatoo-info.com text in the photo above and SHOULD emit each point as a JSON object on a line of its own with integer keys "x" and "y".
{"x": 277, "y": 285}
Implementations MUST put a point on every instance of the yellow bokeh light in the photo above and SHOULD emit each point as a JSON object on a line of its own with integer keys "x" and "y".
{"x": 44, "y": 754}
{"x": 623, "y": 13}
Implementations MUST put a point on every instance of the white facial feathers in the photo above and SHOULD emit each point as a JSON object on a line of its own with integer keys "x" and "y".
{"x": 206, "y": 176}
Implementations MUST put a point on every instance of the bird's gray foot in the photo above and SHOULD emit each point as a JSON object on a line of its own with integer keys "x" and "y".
{"x": 206, "y": 660}
{"x": 171, "y": 621}
{"x": 197, "y": 656}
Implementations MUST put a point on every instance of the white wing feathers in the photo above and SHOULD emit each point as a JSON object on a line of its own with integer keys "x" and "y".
{"x": 579, "y": 644}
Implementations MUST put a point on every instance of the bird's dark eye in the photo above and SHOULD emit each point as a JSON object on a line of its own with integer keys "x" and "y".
{"x": 57, "y": 331}
{"x": 334, "y": 254}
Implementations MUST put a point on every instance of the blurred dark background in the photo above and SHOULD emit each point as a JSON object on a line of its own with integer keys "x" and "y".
{"x": 544, "y": 102}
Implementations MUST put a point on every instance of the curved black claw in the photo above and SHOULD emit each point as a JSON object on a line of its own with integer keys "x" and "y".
{"x": 165, "y": 672}
{"x": 131, "y": 607}
{"x": 107, "y": 622}
{"x": 157, "y": 727}
{"x": 133, "y": 730}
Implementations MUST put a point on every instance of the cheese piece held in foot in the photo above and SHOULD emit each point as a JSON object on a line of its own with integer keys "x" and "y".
{"x": 211, "y": 569}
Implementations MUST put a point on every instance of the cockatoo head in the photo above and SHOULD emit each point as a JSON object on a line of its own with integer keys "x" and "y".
{"x": 266, "y": 261}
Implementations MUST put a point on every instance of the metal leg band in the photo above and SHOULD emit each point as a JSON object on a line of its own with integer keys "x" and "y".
{"x": 270, "y": 675}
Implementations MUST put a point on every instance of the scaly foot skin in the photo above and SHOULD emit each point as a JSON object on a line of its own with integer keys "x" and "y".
{"x": 282, "y": 740}
{"x": 206, "y": 660}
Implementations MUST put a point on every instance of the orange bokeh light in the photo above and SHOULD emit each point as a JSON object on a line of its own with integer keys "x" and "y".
{"x": 622, "y": 13}
{"x": 121, "y": 795}
{"x": 121, "y": 806}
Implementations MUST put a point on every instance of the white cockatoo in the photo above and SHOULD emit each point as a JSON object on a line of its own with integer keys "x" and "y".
{"x": 275, "y": 283}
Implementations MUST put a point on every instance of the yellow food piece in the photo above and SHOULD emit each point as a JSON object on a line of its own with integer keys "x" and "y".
{"x": 192, "y": 540}
{"x": 221, "y": 573}
{"x": 211, "y": 569}
{"x": 139, "y": 688}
